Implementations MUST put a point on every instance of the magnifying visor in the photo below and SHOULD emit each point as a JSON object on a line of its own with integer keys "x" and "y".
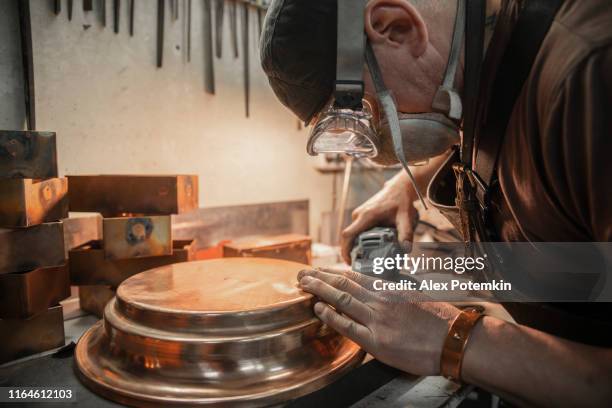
{"x": 346, "y": 131}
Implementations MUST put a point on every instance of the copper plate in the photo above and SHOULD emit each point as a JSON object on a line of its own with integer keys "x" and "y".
{"x": 223, "y": 332}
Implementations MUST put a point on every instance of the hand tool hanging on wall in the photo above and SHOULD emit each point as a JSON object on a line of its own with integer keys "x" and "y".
{"x": 174, "y": 9}
{"x": 209, "y": 69}
{"x": 25, "y": 30}
{"x": 233, "y": 26}
{"x": 116, "y": 13}
{"x": 70, "y": 10}
{"x": 160, "y": 33}
{"x": 219, "y": 14}
{"x": 103, "y": 12}
{"x": 87, "y": 5}
{"x": 187, "y": 30}
{"x": 245, "y": 60}
{"x": 131, "y": 5}
{"x": 57, "y": 6}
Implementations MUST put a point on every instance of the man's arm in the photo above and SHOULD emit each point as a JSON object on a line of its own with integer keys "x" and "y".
{"x": 393, "y": 205}
{"x": 406, "y": 331}
{"x": 531, "y": 368}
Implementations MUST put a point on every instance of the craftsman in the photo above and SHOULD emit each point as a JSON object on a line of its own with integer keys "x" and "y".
{"x": 552, "y": 182}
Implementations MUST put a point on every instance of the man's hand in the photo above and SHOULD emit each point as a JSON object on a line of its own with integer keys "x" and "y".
{"x": 403, "y": 330}
{"x": 391, "y": 206}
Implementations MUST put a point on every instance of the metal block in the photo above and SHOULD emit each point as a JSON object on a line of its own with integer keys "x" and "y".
{"x": 290, "y": 247}
{"x": 88, "y": 265}
{"x": 117, "y": 196}
{"x": 27, "y": 154}
{"x": 81, "y": 228}
{"x": 27, "y": 202}
{"x": 25, "y": 249}
{"x": 136, "y": 237}
{"x": 24, "y": 294}
{"x": 21, "y": 338}
{"x": 93, "y": 298}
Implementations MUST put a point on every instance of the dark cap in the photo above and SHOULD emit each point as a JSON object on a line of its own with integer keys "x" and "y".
{"x": 298, "y": 53}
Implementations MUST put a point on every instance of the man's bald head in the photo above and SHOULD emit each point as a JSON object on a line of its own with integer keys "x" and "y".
{"x": 411, "y": 39}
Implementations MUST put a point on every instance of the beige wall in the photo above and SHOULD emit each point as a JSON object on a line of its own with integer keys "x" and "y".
{"x": 114, "y": 112}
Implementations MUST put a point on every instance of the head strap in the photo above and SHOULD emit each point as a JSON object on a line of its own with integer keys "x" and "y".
{"x": 349, "y": 86}
{"x": 447, "y": 99}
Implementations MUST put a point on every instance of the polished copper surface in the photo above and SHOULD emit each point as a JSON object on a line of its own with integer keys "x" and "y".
{"x": 229, "y": 332}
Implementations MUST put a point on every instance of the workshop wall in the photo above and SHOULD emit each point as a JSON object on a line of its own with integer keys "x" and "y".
{"x": 115, "y": 112}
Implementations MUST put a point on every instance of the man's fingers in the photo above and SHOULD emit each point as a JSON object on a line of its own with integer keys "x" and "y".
{"x": 329, "y": 275}
{"x": 345, "y": 326}
{"x": 405, "y": 229}
{"x": 343, "y": 300}
{"x": 359, "y": 225}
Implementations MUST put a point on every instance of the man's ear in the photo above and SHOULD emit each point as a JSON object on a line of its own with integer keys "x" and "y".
{"x": 396, "y": 23}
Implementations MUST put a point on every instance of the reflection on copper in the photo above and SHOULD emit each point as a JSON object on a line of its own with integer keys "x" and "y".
{"x": 233, "y": 331}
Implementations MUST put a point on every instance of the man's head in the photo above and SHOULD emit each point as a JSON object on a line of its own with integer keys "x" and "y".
{"x": 411, "y": 39}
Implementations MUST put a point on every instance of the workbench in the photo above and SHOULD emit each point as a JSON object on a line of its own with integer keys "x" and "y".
{"x": 371, "y": 385}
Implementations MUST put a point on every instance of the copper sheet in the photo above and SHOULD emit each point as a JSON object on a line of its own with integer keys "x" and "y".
{"x": 42, "y": 332}
{"x": 24, "y": 294}
{"x": 81, "y": 228}
{"x": 89, "y": 266}
{"x": 27, "y": 202}
{"x": 27, "y": 154}
{"x": 137, "y": 237}
{"x": 25, "y": 249}
{"x": 223, "y": 332}
{"x": 290, "y": 247}
{"x": 120, "y": 195}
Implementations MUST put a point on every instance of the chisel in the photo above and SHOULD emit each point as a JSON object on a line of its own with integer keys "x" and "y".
{"x": 259, "y": 21}
{"x": 160, "y": 33}
{"x": 57, "y": 6}
{"x": 174, "y": 9}
{"x": 209, "y": 69}
{"x": 116, "y": 13}
{"x": 233, "y": 27}
{"x": 132, "y": 17}
{"x": 25, "y": 30}
{"x": 87, "y": 5}
{"x": 245, "y": 51}
{"x": 69, "y": 10}
{"x": 103, "y": 12}
{"x": 187, "y": 30}
{"x": 219, "y": 12}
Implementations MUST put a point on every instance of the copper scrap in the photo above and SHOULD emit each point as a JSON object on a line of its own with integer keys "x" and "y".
{"x": 42, "y": 332}
{"x": 89, "y": 266}
{"x": 24, "y": 294}
{"x": 116, "y": 196}
{"x": 27, "y": 202}
{"x": 25, "y": 249}
{"x": 137, "y": 237}
{"x": 93, "y": 299}
{"x": 290, "y": 247}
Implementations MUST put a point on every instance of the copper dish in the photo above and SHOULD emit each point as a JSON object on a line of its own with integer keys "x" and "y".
{"x": 223, "y": 332}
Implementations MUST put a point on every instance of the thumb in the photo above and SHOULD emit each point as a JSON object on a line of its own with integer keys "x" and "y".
{"x": 405, "y": 223}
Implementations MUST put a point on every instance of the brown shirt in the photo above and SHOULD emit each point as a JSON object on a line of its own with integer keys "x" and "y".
{"x": 555, "y": 169}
